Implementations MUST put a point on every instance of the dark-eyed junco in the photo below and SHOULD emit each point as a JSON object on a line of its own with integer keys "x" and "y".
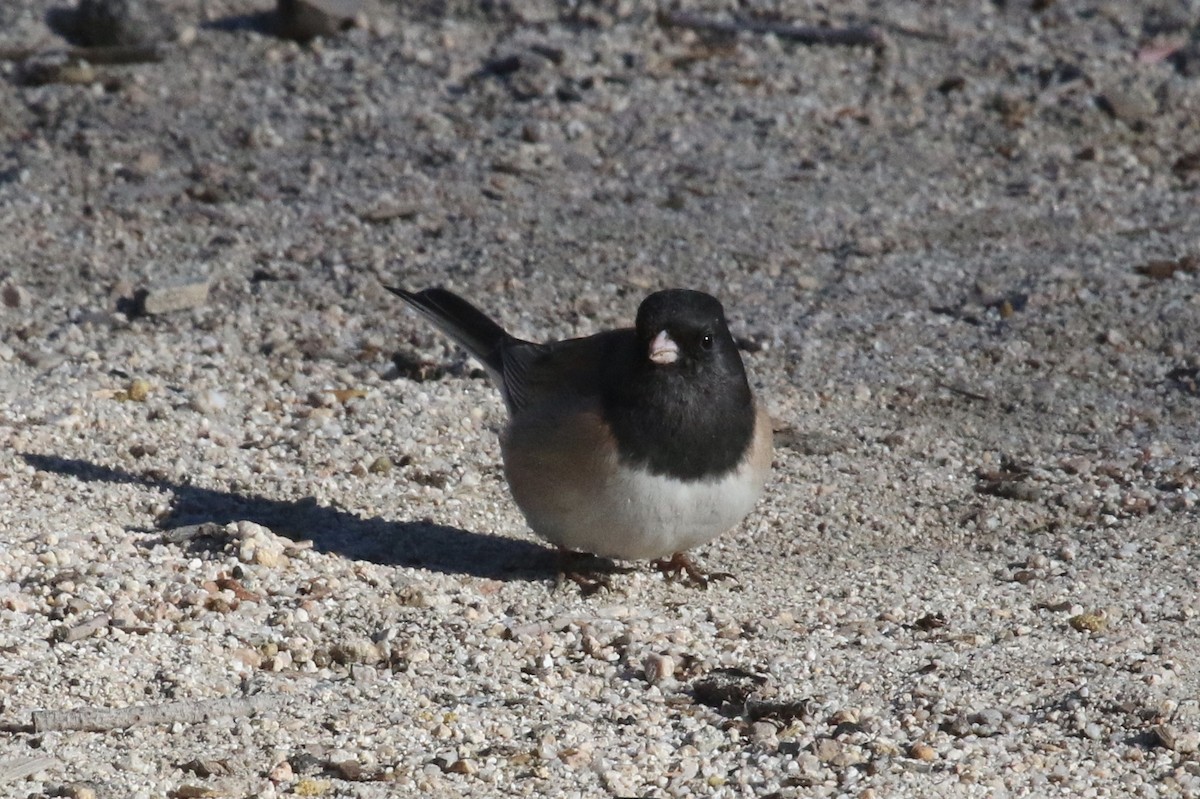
{"x": 635, "y": 443}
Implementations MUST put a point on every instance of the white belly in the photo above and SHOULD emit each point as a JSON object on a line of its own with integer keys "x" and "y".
{"x": 640, "y": 515}
{"x": 575, "y": 493}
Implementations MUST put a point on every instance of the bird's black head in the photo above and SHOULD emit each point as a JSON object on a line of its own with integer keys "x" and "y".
{"x": 680, "y": 405}
{"x": 685, "y": 330}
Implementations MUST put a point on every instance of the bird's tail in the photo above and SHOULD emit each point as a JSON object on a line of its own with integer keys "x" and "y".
{"x": 468, "y": 326}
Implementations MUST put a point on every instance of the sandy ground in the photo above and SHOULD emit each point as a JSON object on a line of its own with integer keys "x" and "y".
{"x": 965, "y": 273}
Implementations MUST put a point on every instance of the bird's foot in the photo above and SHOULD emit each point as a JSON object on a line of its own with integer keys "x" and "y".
{"x": 588, "y": 583}
{"x": 679, "y": 567}
{"x": 573, "y": 567}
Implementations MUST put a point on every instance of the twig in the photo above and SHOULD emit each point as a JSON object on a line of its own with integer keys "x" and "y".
{"x": 859, "y": 35}
{"x": 918, "y": 33}
{"x": 88, "y": 628}
{"x": 130, "y": 54}
{"x": 103, "y": 719}
{"x": 963, "y": 391}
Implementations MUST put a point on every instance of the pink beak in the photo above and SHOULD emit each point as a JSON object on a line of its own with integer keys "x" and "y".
{"x": 663, "y": 349}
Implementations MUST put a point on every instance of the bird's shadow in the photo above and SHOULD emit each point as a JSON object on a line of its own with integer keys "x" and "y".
{"x": 418, "y": 544}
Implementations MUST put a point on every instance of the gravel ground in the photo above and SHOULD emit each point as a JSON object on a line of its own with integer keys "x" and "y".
{"x": 965, "y": 270}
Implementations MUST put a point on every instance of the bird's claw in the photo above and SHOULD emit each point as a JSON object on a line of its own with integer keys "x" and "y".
{"x": 679, "y": 567}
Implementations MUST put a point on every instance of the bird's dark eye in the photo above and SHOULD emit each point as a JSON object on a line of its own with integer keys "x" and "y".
{"x": 706, "y": 342}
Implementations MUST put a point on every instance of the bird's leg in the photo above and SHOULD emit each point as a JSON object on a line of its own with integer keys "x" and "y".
{"x": 680, "y": 567}
{"x": 569, "y": 563}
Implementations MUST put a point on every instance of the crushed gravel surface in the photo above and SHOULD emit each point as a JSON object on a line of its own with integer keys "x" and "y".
{"x": 965, "y": 269}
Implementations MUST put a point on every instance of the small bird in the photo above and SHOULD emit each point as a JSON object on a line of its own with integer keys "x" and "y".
{"x": 637, "y": 443}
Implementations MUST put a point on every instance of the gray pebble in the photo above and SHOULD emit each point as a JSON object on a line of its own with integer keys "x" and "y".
{"x": 174, "y": 296}
{"x": 303, "y": 20}
{"x": 123, "y": 23}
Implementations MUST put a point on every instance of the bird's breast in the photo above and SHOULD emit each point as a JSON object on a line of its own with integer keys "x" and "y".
{"x": 576, "y": 492}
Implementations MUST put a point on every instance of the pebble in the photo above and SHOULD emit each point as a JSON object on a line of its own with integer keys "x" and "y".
{"x": 281, "y": 772}
{"x": 1129, "y": 103}
{"x": 1089, "y": 622}
{"x": 209, "y": 402}
{"x": 765, "y": 734}
{"x": 178, "y": 295}
{"x": 123, "y": 23}
{"x": 1173, "y": 738}
{"x": 658, "y": 669}
{"x": 304, "y": 20}
{"x": 257, "y": 544}
{"x": 13, "y": 295}
{"x": 355, "y": 650}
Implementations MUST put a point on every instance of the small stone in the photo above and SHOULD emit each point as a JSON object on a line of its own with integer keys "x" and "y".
{"x": 387, "y": 207}
{"x": 122, "y": 23}
{"x": 320, "y": 399}
{"x": 122, "y": 615}
{"x": 529, "y": 74}
{"x": 1187, "y": 743}
{"x": 1131, "y": 104}
{"x": 134, "y": 762}
{"x": 464, "y": 766}
{"x": 247, "y": 657}
{"x": 282, "y": 772}
{"x": 310, "y": 787}
{"x": 145, "y": 164}
{"x": 844, "y": 716}
{"x": 576, "y": 756}
{"x": 381, "y": 465}
{"x": 884, "y": 747}
{"x": 658, "y": 669}
{"x": 827, "y": 750}
{"x": 1089, "y": 622}
{"x": 267, "y": 556}
{"x": 80, "y": 790}
{"x": 764, "y": 734}
{"x": 810, "y": 766}
{"x": 355, "y": 650}
{"x": 175, "y": 296}
{"x": 257, "y": 544}
{"x": 16, "y": 604}
{"x": 13, "y": 295}
{"x": 922, "y": 751}
{"x": 209, "y": 402}
{"x": 1171, "y": 737}
{"x": 303, "y": 20}
{"x": 983, "y": 723}
{"x": 138, "y": 390}
{"x": 362, "y": 674}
